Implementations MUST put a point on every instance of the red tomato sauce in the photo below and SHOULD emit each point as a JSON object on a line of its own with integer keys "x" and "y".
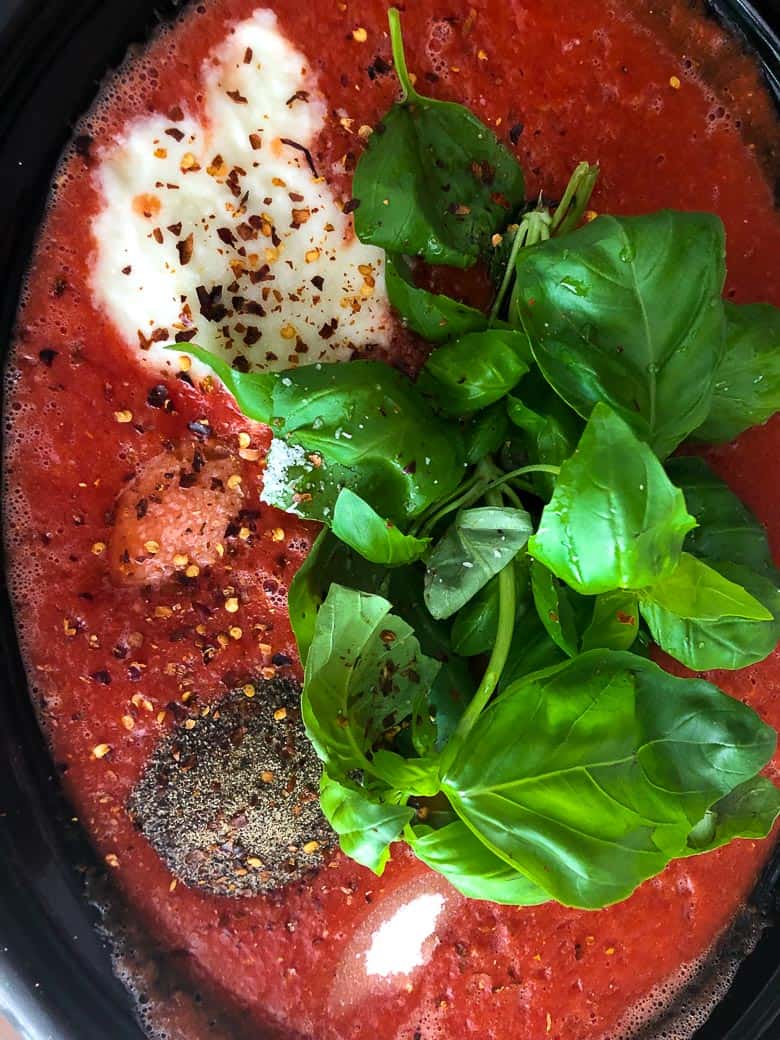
{"x": 676, "y": 117}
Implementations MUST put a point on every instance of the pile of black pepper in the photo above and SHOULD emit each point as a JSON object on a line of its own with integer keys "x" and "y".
{"x": 229, "y": 799}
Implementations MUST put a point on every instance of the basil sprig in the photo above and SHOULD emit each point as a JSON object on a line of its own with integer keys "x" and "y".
{"x": 515, "y": 507}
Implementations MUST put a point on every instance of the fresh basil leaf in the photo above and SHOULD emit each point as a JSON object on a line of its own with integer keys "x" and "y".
{"x": 479, "y": 544}
{"x": 433, "y": 180}
{"x": 363, "y": 672}
{"x": 730, "y": 641}
{"x": 473, "y": 372}
{"x": 361, "y": 425}
{"x": 365, "y": 826}
{"x": 476, "y": 624}
{"x": 412, "y": 776}
{"x": 485, "y": 433}
{"x": 554, "y": 606}
{"x": 611, "y": 319}
{"x": 328, "y": 560}
{"x": 472, "y": 868}
{"x": 550, "y": 428}
{"x": 435, "y": 317}
{"x": 615, "y": 622}
{"x": 615, "y": 519}
{"x": 727, "y": 530}
{"x": 749, "y": 811}
{"x": 747, "y": 381}
{"x": 588, "y": 777}
{"x": 531, "y": 650}
{"x": 694, "y": 591}
{"x": 437, "y": 712}
{"x": 253, "y": 391}
{"x": 377, "y": 540}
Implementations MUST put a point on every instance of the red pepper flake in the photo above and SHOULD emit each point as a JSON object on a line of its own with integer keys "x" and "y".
{"x": 256, "y": 141}
{"x": 248, "y": 56}
{"x": 351, "y": 205}
{"x": 184, "y": 249}
{"x": 237, "y": 97}
{"x": 175, "y": 133}
{"x": 299, "y": 95}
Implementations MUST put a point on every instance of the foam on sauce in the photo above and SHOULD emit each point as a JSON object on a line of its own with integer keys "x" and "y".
{"x": 216, "y": 226}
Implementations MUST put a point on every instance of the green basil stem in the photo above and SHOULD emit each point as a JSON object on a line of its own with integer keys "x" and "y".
{"x": 571, "y": 208}
{"x": 515, "y": 473}
{"x": 474, "y": 491}
{"x": 533, "y": 228}
{"x": 507, "y": 607}
{"x": 462, "y": 488}
{"x": 399, "y": 57}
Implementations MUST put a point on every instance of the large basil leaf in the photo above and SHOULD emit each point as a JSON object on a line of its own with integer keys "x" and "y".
{"x": 749, "y": 811}
{"x": 747, "y": 382}
{"x": 328, "y": 561}
{"x": 364, "y": 671}
{"x": 472, "y": 868}
{"x": 366, "y": 826}
{"x": 615, "y": 622}
{"x": 615, "y": 519}
{"x": 682, "y": 615}
{"x": 435, "y": 317}
{"x": 475, "y": 371}
{"x": 479, "y": 544}
{"x": 433, "y": 180}
{"x": 589, "y": 777}
{"x": 611, "y": 319}
{"x": 727, "y": 530}
{"x": 377, "y": 540}
{"x": 361, "y": 425}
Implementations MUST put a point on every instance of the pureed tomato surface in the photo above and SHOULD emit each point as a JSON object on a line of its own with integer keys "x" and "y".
{"x": 676, "y": 117}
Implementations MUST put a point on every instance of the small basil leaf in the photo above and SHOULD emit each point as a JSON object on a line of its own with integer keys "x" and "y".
{"x": 694, "y": 591}
{"x": 433, "y": 180}
{"x": 550, "y": 428}
{"x": 747, "y": 381}
{"x": 615, "y": 622}
{"x": 479, "y": 544}
{"x": 470, "y": 867}
{"x": 485, "y": 433}
{"x": 365, "y": 826}
{"x": 611, "y": 320}
{"x": 328, "y": 560}
{"x": 554, "y": 607}
{"x": 361, "y": 425}
{"x": 377, "y": 540}
{"x": 253, "y": 391}
{"x": 438, "y": 711}
{"x": 475, "y": 371}
{"x": 749, "y": 811}
{"x": 435, "y": 317}
{"x": 615, "y": 519}
{"x": 727, "y": 530}
{"x": 730, "y": 641}
{"x": 363, "y": 672}
{"x": 413, "y": 776}
{"x": 531, "y": 650}
{"x": 476, "y": 624}
{"x": 589, "y": 777}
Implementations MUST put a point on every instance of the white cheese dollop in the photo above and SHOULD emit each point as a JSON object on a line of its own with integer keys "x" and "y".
{"x": 218, "y": 230}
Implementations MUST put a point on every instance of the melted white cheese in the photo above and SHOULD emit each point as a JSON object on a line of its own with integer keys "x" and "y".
{"x": 220, "y": 227}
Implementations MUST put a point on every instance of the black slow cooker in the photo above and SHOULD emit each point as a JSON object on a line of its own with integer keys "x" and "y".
{"x": 55, "y": 971}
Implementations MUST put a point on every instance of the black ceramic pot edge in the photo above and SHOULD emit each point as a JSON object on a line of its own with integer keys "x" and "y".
{"x": 56, "y": 981}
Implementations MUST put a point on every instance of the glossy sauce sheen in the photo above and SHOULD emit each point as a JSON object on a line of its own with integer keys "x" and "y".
{"x": 112, "y": 668}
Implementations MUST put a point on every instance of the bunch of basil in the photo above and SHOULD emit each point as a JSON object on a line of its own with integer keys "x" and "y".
{"x": 518, "y": 501}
